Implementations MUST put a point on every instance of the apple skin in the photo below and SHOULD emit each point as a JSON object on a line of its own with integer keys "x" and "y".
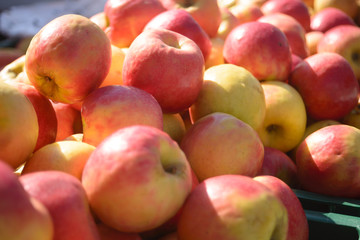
{"x": 19, "y": 129}
{"x": 112, "y": 107}
{"x": 298, "y": 228}
{"x": 65, "y": 198}
{"x": 59, "y": 55}
{"x": 216, "y": 55}
{"x": 108, "y": 233}
{"x": 167, "y": 65}
{"x": 200, "y": 10}
{"x": 21, "y": 216}
{"x": 344, "y": 40}
{"x": 173, "y": 124}
{"x": 246, "y": 12}
{"x": 230, "y": 89}
{"x": 220, "y": 143}
{"x": 276, "y": 163}
{"x": 328, "y": 18}
{"x": 100, "y": 19}
{"x": 68, "y": 119}
{"x": 295, "y": 60}
{"x": 333, "y": 99}
{"x": 251, "y": 45}
{"x": 8, "y": 55}
{"x": 232, "y": 207}
{"x": 295, "y": 8}
{"x": 285, "y": 116}
{"x": 292, "y": 29}
{"x": 228, "y": 22}
{"x": 45, "y": 113}
{"x": 181, "y": 21}
{"x": 127, "y": 18}
{"x": 66, "y": 156}
{"x": 328, "y": 161}
{"x": 312, "y": 40}
{"x": 12, "y": 70}
{"x": 149, "y": 180}
{"x": 350, "y": 7}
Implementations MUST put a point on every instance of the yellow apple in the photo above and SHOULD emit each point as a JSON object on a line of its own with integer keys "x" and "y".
{"x": 174, "y": 125}
{"x": 19, "y": 128}
{"x": 230, "y": 89}
{"x": 312, "y": 40}
{"x": 115, "y": 73}
{"x": 66, "y": 156}
{"x": 285, "y": 117}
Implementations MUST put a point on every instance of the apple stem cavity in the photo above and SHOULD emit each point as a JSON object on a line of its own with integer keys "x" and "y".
{"x": 355, "y": 57}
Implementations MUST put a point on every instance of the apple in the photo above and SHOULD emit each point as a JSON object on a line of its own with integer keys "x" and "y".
{"x": 114, "y": 76}
{"x": 21, "y": 216}
{"x": 149, "y": 180}
{"x": 13, "y": 69}
{"x": 328, "y": 18}
{"x": 246, "y": 12}
{"x": 298, "y": 227}
{"x": 173, "y": 124}
{"x": 292, "y": 29}
{"x": 68, "y": 120}
{"x": 344, "y": 40}
{"x": 167, "y": 65}
{"x": 45, "y": 113}
{"x": 201, "y": 10}
{"x": 100, "y": 19}
{"x": 276, "y": 163}
{"x": 352, "y": 118}
{"x": 312, "y": 40}
{"x": 75, "y": 137}
{"x": 285, "y": 116}
{"x": 327, "y": 85}
{"x": 228, "y": 22}
{"x": 181, "y": 21}
{"x": 261, "y": 48}
{"x": 328, "y": 161}
{"x": 216, "y": 54}
{"x": 230, "y": 89}
{"x": 232, "y": 207}
{"x": 19, "y": 128}
{"x": 295, "y": 8}
{"x": 8, "y": 55}
{"x": 65, "y": 198}
{"x": 295, "y": 60}
{"x": 170, "y": 236}
{"x": 350, "y": 7}
{"x": 68, "y": 58}
{"x": 66, "y": 156}
{"x": 220, "y": 143}
{"x": 112, "y": 107}
{"x": 127, "y": 18}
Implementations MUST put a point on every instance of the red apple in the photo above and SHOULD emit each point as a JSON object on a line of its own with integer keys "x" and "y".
{"x": 100, "y": 19}
{"x": 293, "y": 30}
{"x": 110, "y": 108}
{"x": 327, "y": 85}
{"x": 350, "y": 7}
{"x": 68, "y": 58}
{"x": 220, "y": 143}
{"x": 295, "y": 8}
{"x": 167, "y": 65}
{"x": 328, "y": 161}
{"x": 261, "y": 48}
{"x": 295, "y": 60}
{"x": 276, "y": 163}
{"x": 45, "y": 113}
{"x": 344, "y": 40}
{"x": 232, "y": 207}
{"x": 68, "y": 120}
{"x": 228, "y": 22}
{"x": 246, "y": 12}
{"x": 137, "y": 179}
{"x": 205, "y": 12}
{"x": 298, "y": 228}
{"x": 329, "y": 17}
{"x": 65, "y": 198}
{"x": 180, "y": 21}
{"x": 127, "y": 18}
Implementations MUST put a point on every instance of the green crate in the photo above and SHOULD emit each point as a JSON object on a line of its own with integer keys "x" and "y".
{"x": 330, "y": 218}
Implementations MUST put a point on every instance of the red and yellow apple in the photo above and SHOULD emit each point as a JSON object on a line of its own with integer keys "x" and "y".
{"x": 328, "y": 18}
{"x": 68, "y": 58}
{"x": 149, "y": 180}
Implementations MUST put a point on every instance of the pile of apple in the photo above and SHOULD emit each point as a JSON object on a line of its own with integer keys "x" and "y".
{"x": 182, "y": 120}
